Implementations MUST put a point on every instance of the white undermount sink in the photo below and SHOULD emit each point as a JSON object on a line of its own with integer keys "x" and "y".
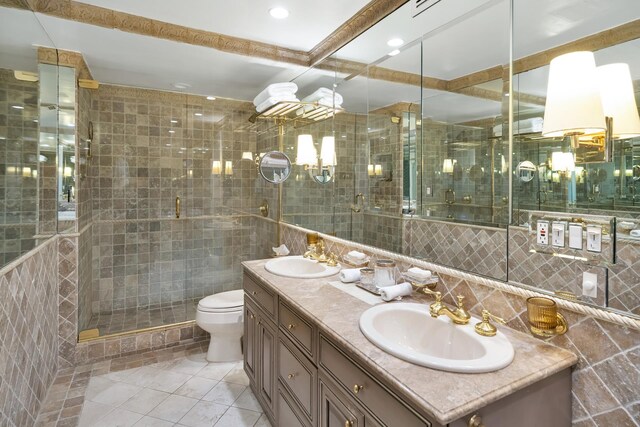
{"x": 407, "y": 331}
{"x": 300, "y": 268}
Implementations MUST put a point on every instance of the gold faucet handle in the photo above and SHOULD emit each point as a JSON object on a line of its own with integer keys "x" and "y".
{"x": 437, "y": 294}
{"x": 460, "y": 299}
{"x": 332, "y": 261}
{"x": 486, "y": 328}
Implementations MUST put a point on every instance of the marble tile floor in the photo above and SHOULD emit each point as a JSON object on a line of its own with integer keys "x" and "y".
{"x": 139, "y": 318}
{"x": 179, "y": 391}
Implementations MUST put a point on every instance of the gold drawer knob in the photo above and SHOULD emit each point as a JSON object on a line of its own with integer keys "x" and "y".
{"x": 476, "y": 421}
{"x": 291, "y": 326}
{"x": 250, "y": 316}
{"x": 290, "y": 376}
{"x": 348, "y": 423}
{"x": 254, "y": 293}
{"x": 357, "y": 388}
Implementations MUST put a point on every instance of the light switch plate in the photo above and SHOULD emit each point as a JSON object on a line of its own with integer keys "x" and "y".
{"x": 575, "y": 236}
{"x": 589, "y": 284}
{"x": 542, "y": 233}
{"x": 557, "y": 233}
{"x": 594, "y": 238}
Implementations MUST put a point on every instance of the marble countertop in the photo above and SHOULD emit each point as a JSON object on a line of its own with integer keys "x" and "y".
{"x": 444, "y": 396}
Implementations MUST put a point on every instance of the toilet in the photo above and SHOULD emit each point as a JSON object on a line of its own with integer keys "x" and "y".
{"x": 222, "y": 315}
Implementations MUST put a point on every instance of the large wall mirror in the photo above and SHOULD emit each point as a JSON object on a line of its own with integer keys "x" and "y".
{"x": 580, "y": 178}
{"x": 423, "y": 145}
{"x": 28, "y": 136}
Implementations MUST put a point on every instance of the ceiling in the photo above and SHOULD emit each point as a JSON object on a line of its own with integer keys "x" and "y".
{"x": 453, "y": 40}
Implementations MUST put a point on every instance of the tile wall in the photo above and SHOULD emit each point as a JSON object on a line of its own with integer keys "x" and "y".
{"x": 150, "y": 147}
{"x": 605, "y": 381}
{"x": 28, "y": 333}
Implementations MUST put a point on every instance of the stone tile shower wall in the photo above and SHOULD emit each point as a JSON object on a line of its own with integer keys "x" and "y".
{"x": 605, "y": 381}
{"x": 28, "y": 334}
{"x": 18, "y": 166}
{"x": 150, "y": 147}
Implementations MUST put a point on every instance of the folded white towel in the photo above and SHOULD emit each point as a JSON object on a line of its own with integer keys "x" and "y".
{"x": 329, "y": 102}
{"x": 419, "y": 273}
{"x": 281, "y": 250}
{"x": 349, "y": 275}
{"x": 276, "y": 89}
{"x": 357, "y": 255}
{"x": 274, "y": 100}
{"x": 392, "y": 292}
{"x": 635, "y": 233}
{"x": 325, "y": 94}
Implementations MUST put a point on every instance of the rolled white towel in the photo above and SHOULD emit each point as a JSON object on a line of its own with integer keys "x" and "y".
{"x": 635, "y": 233}
{"x": 357, "y": 255}
{"x": 392, "y": 292}
{"x": 276, "y": 89}
{"x": 274, "y": 100}
{"x": 419, "y": 273}
{"x": 349, "y": 275}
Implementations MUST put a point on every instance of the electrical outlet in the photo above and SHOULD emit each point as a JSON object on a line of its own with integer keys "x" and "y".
{"x": 557, "y": 234}
{"x": 543, "y": 233}
{"x": 589, "y": 284}
{"x": 594, "y": 238}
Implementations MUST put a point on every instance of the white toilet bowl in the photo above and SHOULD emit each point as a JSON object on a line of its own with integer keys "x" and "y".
{"x": 222, "y": 315}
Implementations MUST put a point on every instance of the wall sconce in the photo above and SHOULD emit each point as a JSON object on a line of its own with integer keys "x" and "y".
{"x": 447, "y": 165}
{"x": 228, "y": 168}
{"x": 563, "y": 163}
{"x": 247, "y": 155}
{"x": 374, "y": 170}
{"x": 322, "y": 168}
{"x": 591, "y": 105}
{"x": 216, "y": 167}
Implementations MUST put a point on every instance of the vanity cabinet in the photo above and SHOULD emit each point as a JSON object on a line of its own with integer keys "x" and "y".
{"x": 260, "y": 343}
{"x": 302, "y": 377}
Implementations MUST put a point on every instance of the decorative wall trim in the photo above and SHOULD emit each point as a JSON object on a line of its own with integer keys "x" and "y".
{"x": 506, "y": 287}
{"x": 107, "y": 18}
{"x": 67, "y": 58}
{"x": 365, "y": 18}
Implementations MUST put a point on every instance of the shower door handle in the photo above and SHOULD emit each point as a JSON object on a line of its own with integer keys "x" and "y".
{"x": 178, "y": 207}
{"x": 450, "y": 197}
{"x": 358, "y": 207}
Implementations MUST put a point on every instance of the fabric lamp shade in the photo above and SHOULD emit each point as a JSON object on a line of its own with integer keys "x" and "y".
{"x": 328, "y": 151}
{"x": 618, "y": 100}
{"x": 306, "y": 153}
{"x": 573, "y": 105}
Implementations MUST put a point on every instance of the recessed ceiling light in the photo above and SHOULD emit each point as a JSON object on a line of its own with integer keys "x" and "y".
{"x": 18, "y": 107}
{"x": 174, "y": 121}
{"x": 394, "y": 52}
{"x": 172, "y": 131}
{"x": 211, "y": 98}
{"x": 181, "y": 85}
{"x": 395, "y": 42}
{"x": 198, "y": 114}
{"x": 279, "y": 12}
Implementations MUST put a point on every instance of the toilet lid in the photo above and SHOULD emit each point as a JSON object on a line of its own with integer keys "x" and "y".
{"x": 223, "y": 301}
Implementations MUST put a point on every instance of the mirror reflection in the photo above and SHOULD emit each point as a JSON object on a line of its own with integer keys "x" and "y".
{"x": 275, "y": 167}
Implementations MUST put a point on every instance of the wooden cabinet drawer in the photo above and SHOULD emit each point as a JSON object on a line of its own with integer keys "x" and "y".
{"x": 288, "y": 412}
{"x": 265, "y": 299}
{"x": 365, "y": 390}
{"x": 298, "y": 375}
{"x": 298, "y": 329}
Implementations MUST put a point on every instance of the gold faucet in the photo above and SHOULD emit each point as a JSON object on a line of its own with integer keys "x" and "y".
{"x": 459, "y": 316}
{"x": 316, "y": 252}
